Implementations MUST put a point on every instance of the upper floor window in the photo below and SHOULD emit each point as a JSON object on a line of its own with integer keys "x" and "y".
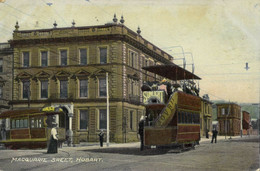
{"x": 131, "y": 120}
{"x": 1, "y": 65}
{"x": 26, "y": 59}
{"x": 131, "y": 58}
{"x": 26, "y": 89}
{"x": 44, "y": 58}
{"x": 102, "y": 119}
{"x": 44, "y": 89}
{"x": 83, "y": 56}
{"x": 63, "y": 89}
{"x": 103, "y": 55}
{"x": 83, "y": 119}
{"x": 102, "y": 87}
{"x": 63, "y": 57}
{"x": 83, "y": 88}
{"x": 1, "y": 92}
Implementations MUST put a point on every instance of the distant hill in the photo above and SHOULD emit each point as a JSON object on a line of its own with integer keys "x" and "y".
{"x": 253, "y": 109}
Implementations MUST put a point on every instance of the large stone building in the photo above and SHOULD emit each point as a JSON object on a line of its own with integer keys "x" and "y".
{"x": 6, "y": 65}
{"x": 68, "y": 66}
{"x": 205, "y": 115}
{"x": 229, "y": 119}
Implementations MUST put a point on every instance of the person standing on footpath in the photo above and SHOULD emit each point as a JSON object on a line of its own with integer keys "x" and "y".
{"x": 141, "y": 132}
{"x": 53, "y": 145}
{"x": 101, "y": 138}
{"x": 214, "y": 136}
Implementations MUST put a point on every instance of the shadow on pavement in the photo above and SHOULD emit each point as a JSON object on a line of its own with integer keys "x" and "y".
{"x": 130, "y": 151}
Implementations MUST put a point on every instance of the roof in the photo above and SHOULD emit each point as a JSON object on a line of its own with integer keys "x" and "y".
{"x": 24, "y": 112}
{"x": 172, "y": 72}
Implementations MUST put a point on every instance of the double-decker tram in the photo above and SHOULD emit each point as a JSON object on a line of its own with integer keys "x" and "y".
{"x": 172, "y": 108}
{"x": 31, "y": 128}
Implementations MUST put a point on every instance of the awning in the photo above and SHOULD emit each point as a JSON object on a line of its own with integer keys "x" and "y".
{"x": 172, "y": 72}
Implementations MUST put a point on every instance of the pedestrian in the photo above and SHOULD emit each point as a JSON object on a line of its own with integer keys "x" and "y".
{"x": 53, "y": 145}
{"x": 141, "y": 132}
{"x": 214, "y": 135}
{"x": 207, "y": 133}
{"x": 101, "y": 138}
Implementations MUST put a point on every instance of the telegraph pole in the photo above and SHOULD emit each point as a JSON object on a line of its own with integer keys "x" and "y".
{"x": 107, "y": 109}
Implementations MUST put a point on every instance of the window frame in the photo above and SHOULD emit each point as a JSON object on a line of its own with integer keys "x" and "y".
{"x": 99, "y": 52}
{"x": 99, "y": 119}
{"x": 61, "y": 81}
{"x": 41, "y": 58}
{"x": 86, "y": 120}
{"x": 60, "y": 56}
{"x": 23, "y": 89}
{"x": 80, "y": 58}
{"x": 1, "y": 65}
{"x": 23, "y": 59}
{"x": 87, "y": 87}
{"x": 99, "y": 88}
{"x": 41, "y": 90}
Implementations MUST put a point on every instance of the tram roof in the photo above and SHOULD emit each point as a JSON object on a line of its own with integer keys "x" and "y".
{"x": 13, "y": 113}
{"x": 172, "y": 72}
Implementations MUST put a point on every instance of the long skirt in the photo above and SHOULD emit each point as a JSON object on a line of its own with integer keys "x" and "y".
{"x": 53, "y": 146}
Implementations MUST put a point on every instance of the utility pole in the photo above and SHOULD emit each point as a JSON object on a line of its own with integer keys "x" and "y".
{"x": 107, "y": 108}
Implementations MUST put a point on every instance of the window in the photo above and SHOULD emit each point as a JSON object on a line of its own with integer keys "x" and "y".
{"x": 44, "y": 58}
{"x": 44, "y": 89}
{"x": 132, "y": 59}
{"x": 63, "y": 89}
{"x": 26, "y": 58}
{"x": 37, "y": 122}
{"x": 1, "y": 92}
{"x": 19, "y": 123}
{"x": 131, "y": 120}
{"x": 103, "y": 55}
{"x": 83, "y": 56}
{"x": 63, "y": 57}
{"x": 102, "y": 119}
{"x": 102, "y": 87}
{"x": 179, "y": 117}
{"x": 83, "y": 88}
{"x": 83, "y": 119}
{"x": 26, "y": 89}
{"x": 1, "y": 65}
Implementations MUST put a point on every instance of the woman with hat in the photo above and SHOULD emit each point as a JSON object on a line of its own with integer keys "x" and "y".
{"x": 53, "y": 145}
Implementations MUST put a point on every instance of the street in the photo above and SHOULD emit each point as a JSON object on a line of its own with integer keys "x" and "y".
{"x": 227, "y": 154}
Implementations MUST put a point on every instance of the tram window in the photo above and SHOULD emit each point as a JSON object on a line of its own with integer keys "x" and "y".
{"x": 32, "y": 123}
{"x": 25, "y": 123}
{"x": 186, "y": 117}
{"x": 40, "y": 123}
{"x": 17, "y": 123}
{"x": 179, "y": 117}
{"x": 21, "y": 123}
{"x": 183, "y": 117}
{"x": 191, "y": 118}
{"x": 13, "y": 123}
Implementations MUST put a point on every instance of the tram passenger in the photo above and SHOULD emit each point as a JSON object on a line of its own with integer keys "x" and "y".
{"x": 53, "y": 145}
{"x": 141, "y": 131}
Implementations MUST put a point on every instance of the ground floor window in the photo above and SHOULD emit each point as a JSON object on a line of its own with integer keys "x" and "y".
{"x": 83, "y": 119}
{"x": 102, "y": 119}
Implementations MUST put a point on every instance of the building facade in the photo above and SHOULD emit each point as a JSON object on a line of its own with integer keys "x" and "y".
{"x": 246, "y": 122}
{"x": 205, "y": 115}
{"x": 229, "y": 119}
{"x": 6, "y": 65}
{"x": 69, "y": 66}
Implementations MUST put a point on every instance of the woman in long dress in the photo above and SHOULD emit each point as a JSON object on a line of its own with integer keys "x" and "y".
{"x": 53, "y": 145}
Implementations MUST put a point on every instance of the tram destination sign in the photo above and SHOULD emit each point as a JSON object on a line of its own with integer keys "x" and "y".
{"x": 153, "y": 97}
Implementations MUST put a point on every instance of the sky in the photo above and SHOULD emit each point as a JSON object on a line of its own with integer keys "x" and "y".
{"x": 218, "y": 36}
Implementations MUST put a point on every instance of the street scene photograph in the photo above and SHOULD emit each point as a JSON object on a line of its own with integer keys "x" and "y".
{"x": 129, "y": 85}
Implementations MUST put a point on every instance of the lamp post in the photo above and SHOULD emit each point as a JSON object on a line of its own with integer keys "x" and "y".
{"x": 107, "y": 109}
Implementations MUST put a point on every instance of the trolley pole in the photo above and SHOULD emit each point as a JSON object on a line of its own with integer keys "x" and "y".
{"x": 107, "y": 108}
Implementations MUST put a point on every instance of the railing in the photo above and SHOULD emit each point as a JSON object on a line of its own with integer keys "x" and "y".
{"x": 4, "y": 45}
